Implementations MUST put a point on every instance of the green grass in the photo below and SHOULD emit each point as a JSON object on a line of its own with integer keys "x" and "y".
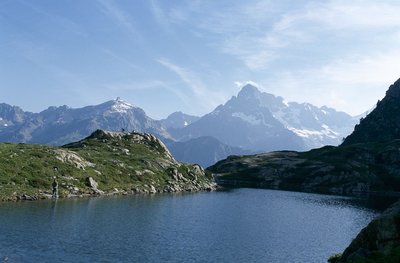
{"x": 116, "y": 163}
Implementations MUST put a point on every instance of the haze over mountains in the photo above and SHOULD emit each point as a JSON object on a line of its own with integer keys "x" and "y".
{"x": 252, "y": 121}
{"x": 260, "y": 121}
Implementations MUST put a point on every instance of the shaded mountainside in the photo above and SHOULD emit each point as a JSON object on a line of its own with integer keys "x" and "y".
{"x": 338, "y": 170}
{"x": 383, "y": 123}
{"x": 118, "y": 163}
{"x": 178, "y": 120}
{"x": 203, "y": 150}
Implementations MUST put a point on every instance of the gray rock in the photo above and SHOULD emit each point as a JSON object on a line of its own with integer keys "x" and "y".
{"x": 152, "y": 189}
{"x": 90, "y": 182}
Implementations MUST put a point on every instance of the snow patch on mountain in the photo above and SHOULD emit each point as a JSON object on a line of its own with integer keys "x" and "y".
{"x": 121, "y": 106}
{"x": 247, "y": 118}
{"x": 321, "y": 134}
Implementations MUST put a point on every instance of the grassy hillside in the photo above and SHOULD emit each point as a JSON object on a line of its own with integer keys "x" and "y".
{"x": 119, "y": 162}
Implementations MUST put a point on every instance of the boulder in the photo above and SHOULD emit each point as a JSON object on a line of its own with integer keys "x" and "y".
{"x": 90, "y": 182}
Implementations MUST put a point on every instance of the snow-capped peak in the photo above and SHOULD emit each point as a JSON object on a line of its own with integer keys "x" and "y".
{"x": 121, "y": 106}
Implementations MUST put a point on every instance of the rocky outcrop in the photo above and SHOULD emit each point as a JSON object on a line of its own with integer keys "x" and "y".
{"x": 337, "y": 170}
{"x": 134, "y": 137}
{"x": 90, "y": 182}
{"x": 66, "y": 156}
{"x": 378, "y": 242}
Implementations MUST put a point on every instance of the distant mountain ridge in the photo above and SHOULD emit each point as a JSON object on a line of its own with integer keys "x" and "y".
{"x": 250, "y": 122}
{"x": 61, "y": 125}
{"x": 202, "y": 150}
{"x": 178, "y": 120}
{"x": 12, "y": 115}
{"x": 260, "y": 121}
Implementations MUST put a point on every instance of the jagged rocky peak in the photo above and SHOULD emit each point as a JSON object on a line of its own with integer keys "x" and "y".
{"x": 252, "y": 96}
{"x": 11, "y": 113}
{"x": 119, "y": 105}
{"x": 249, "y": 91}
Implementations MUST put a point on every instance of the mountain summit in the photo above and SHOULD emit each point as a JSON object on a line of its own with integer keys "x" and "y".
{"x": 248, "y": 91}
{"x": 259, "y": 121}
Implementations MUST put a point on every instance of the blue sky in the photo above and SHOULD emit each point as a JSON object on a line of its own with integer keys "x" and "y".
{"x": 165, "y": 56}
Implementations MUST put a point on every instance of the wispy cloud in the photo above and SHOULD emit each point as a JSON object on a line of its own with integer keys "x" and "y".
{"x": 346, "y": 15}
{"x": 241, "y": 84}
{"x": 148, "y": 85}
{"x": 62, "y": 21}
{"x": 121, "y": 59}
{"x": 261, "y": 32}
{"x": 159, "y": 15}
{"x": 205, "y": 97}
{"x": 110, "y": 9}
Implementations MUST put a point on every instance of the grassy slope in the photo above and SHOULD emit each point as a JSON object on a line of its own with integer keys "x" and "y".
{"x": 121, "y": 163}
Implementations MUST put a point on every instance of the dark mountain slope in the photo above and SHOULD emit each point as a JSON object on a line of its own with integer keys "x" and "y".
{"x": 383, "y": 123}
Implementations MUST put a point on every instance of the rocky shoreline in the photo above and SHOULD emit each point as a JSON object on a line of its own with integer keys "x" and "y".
{"x": 145, "y": 190}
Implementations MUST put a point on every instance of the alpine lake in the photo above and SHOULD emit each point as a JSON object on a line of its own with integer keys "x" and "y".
{"x": 236, "y": 225}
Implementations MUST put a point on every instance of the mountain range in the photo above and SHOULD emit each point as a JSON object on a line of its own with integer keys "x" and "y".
{"x": 62, "y": 125}
{"x": 253, "y": 121}
{"x": 367, "y": 162}
{"x": 259, "y": 121}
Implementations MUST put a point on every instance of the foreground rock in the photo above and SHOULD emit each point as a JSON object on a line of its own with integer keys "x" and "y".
{"x": 378, "y": 242}
{"x": 104, "y": 163}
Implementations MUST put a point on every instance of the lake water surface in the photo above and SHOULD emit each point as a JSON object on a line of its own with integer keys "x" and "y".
{"x": 241, "y": 225}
